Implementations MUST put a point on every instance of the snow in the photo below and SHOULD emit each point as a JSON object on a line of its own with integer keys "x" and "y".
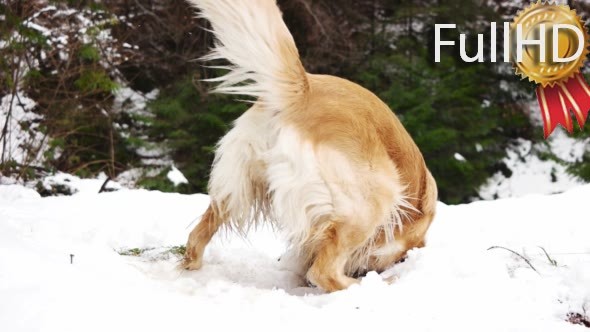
{"x": 533, "y": 175}
{"x": 567, "y": 148}
{"x": 133, "y": 102}
{"x": 453, "y": 284}
{"x": 43, "y": 30}
{"x": 129, "y": 178}
{"x": 459, "y": 157}
{"x": 24, "y": 142}
{"x": 176, "y": 176}
{"x": 77, "y": 185}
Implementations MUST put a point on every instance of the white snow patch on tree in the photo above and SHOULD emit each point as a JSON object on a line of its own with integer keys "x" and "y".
{"x": 459, "y": 157}
{"x": 175, "y": 176}
{"x": 533, "y": 175}
{"x": 22, "y": 141}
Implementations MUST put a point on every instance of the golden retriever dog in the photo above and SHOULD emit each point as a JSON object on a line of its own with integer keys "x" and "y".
{"x": 322, "y": 158}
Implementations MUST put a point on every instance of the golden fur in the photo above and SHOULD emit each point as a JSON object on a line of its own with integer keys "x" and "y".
{"x": 320, "y": 156}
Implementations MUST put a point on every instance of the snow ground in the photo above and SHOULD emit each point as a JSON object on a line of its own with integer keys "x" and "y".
{"x": 453, "y": 284}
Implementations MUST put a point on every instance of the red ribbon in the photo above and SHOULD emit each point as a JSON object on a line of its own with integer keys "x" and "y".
{"x": 557, "y": 101}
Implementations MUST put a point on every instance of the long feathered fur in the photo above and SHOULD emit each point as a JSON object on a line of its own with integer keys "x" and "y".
{"x": 265, "y": 63}
{"x": 318, "y": 156}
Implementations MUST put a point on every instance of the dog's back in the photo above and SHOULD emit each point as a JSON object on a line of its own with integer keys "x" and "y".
{"x": 343, "y": 118}
{"x": 319, "y": 155}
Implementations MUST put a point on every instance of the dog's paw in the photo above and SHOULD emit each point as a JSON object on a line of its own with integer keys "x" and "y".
{"x": 191, "y": 264}
{"x": 330, "y": 283}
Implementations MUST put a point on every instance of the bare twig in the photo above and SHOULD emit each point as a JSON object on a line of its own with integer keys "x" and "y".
{"x": 551, "y": 260}
{"x": 517, "y": 254}
{"x": 104, "y": 185}
{"x": 317, "y": 20}
{"x": 15, "y": 83}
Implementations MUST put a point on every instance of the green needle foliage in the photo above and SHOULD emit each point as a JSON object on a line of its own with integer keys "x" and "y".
{"x": 463, "y": 116}
{"x": 448, "y": 109}
{"x": 190, "y": 123}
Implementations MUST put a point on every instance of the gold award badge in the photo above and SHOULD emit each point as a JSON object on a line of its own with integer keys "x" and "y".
{"x": 549, "y": 45}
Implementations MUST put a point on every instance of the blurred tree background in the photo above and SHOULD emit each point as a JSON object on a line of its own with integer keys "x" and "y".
{"x": 113, "y": 86}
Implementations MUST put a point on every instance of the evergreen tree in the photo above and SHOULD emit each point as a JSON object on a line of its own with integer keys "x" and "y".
{"x": 189, "y": 122}
{"x": 461, "y": 115}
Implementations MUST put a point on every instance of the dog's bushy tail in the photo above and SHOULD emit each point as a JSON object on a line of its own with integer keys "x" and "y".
{"x": 265, "y": 62}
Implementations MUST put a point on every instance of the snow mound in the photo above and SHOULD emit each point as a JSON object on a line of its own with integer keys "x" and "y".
{"x": 13, "y": 192}
{"x": 63, "y": 183}
{"x": 455, "y": 283}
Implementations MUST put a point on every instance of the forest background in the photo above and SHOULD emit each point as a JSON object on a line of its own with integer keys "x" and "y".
{"x": 113, "y": 87}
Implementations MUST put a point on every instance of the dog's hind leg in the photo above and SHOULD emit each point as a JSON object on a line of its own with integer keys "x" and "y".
{"x": 199, "y": 238}
{"x": 237, "y": 191}
{"x": 362, "y": 193}
{"x": 332, "y": 252}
